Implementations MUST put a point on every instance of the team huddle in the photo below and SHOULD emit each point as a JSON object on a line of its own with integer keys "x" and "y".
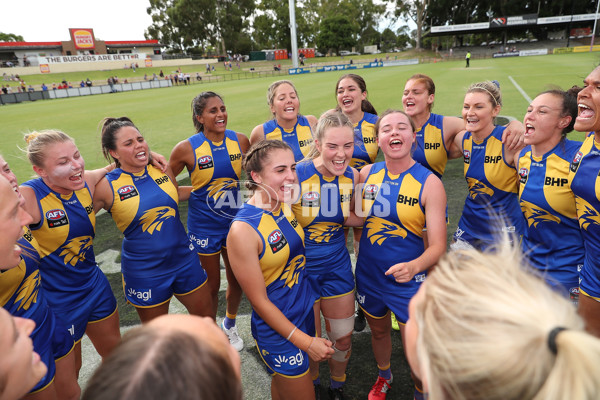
{"x": 309, "y": 182}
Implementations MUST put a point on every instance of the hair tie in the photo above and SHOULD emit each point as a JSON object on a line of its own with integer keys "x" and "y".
{"x": 552, "y": 338}
{"x": 495, "y": 82}
{"x": 29, "y": 138}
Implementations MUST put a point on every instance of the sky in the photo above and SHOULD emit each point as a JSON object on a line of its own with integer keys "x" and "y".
{"x": 50, "y": 20}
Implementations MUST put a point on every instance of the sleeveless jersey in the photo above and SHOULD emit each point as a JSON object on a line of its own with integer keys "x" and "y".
{"x": 365, "y": 144}
{"x": 493, "y": 187}
{"x": 217, "y": 168}
{"x": 393, "y": 228}
{"x": 145, "y": 208}
{"x": 431, "y": 150}
{"x": 20, "y": 286}
{"x": 282, "y": 263}
{"x": 65, "y": 234}
{"x": 322, "y": 210}
{"x": 584, "y": 177}
{"x": 552, "y": 239}
{"x": 299, "y": 138}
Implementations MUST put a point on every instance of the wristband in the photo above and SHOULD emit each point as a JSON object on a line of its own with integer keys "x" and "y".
{"x": 291, "y": 333}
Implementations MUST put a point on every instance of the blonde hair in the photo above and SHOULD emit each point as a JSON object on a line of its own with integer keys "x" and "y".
{"x": 38, "y": 141}
{"x": 490, "y": 88}
{"x": 273, "y": 88}
{"x": 329, "y": 119}
{"x": 484, "y": 326}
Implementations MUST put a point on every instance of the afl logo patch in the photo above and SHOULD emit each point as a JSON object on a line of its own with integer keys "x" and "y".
{"x": 56, "y": 218}
{"x": 467, "y": 156}
{"x": 311, "y": 199}
{"x": 523, "y": 174}
{"x": 576, "y": 161}
{"x": 205, "y": 162}
{"x": 276, "y": 240}
{"x": 126, "y": 192}
{"x": 370, "y": 192}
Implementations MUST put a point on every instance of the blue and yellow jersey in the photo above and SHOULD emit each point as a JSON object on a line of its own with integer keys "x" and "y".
{"x": 215, "y": 180}
{"x": 431, "y": 150}
{"x": 584, "y": 178}
{"x": 299, "y": 137}
{"x": 145, "y": 209}
{"x": 322, "y": 209}
{"x": 365, "y": 143}
{"x": 65, "y": 234}
{"x": 393, "y": 228}
{"x": 492, "y": 204}
{"x": 282, "y": 263}
{"x": 552, "y": 239}
{"x": 20, "y": 286}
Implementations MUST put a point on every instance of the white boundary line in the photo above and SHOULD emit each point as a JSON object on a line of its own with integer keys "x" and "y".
{"x": 520, "y": 89}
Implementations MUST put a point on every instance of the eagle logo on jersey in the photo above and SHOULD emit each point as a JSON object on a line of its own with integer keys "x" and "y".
{"x": 535, "y": 214}
{"x": 586, "y": 213}
{"x": 220, "y": 186}
{"x": 478, "y": 188}
{"x": 153, "y": 219}
{"x": 74, "y": 251}
{"x": 322, "y": 231}
{"x": 28, "y": 291}
{"x": 292, "y": 270}
{"x": 358, "y": 163}
{"x": 378, "y": 230}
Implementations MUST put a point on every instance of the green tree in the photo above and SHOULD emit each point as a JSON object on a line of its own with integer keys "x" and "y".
{"x": 272, "y": 26}
{"x": 10, "y": 37}
{"x": 369, "y": 37}
{"x": 417, "y": 11}
{"x": 336, "y": 33}
{"x": 388, "y": 40}
{"x": 187, "y": 24}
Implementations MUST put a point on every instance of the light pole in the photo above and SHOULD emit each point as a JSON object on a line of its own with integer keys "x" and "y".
{"x": 293, "y": 33}
{"x": 595, "y": 23}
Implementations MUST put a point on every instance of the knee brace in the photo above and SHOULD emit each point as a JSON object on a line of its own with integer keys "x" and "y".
{"x": 338, "y": 328}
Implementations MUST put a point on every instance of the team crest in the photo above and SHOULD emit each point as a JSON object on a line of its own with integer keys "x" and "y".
{"x": 291, "y": 273}
{"x": 28, "y": 291}
{"x": 378, "y": 230}
{"x": 154, "y": 218}
{"x": 220, "y": 186}
{"x": 276, "y": 240}
{"x": 587, "y": 213}
{"x": 75, "y": 250}
{"x": 535, "y": 214}
{"x": 477, "y": 188}
{"x": 323, "y": 231}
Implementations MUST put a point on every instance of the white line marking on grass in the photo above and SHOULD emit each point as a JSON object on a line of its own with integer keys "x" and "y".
{"x": 519, "y": 89}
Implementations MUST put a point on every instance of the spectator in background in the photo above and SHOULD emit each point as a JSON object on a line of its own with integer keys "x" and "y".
{"x": 44, "y": 87}
{"x": 468, "y": 58}
{"x": 88, "y": 83}
{"x": 5, "y": 90}
{"x": 81, "y": 84}
{"x": 111, "y": 83}
{"x": 30, "y": 89}
{"x": 161, "y": 74}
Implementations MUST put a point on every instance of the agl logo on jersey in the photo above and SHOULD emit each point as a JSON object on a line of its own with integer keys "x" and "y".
{"x": 56, "y": 218}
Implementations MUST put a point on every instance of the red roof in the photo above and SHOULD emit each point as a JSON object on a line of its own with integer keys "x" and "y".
{"x": 132, "y": 42}
{"x": 29, "y": 44}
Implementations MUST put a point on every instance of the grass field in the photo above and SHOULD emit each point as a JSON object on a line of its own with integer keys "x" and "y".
{"x": 163, "y": 116}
